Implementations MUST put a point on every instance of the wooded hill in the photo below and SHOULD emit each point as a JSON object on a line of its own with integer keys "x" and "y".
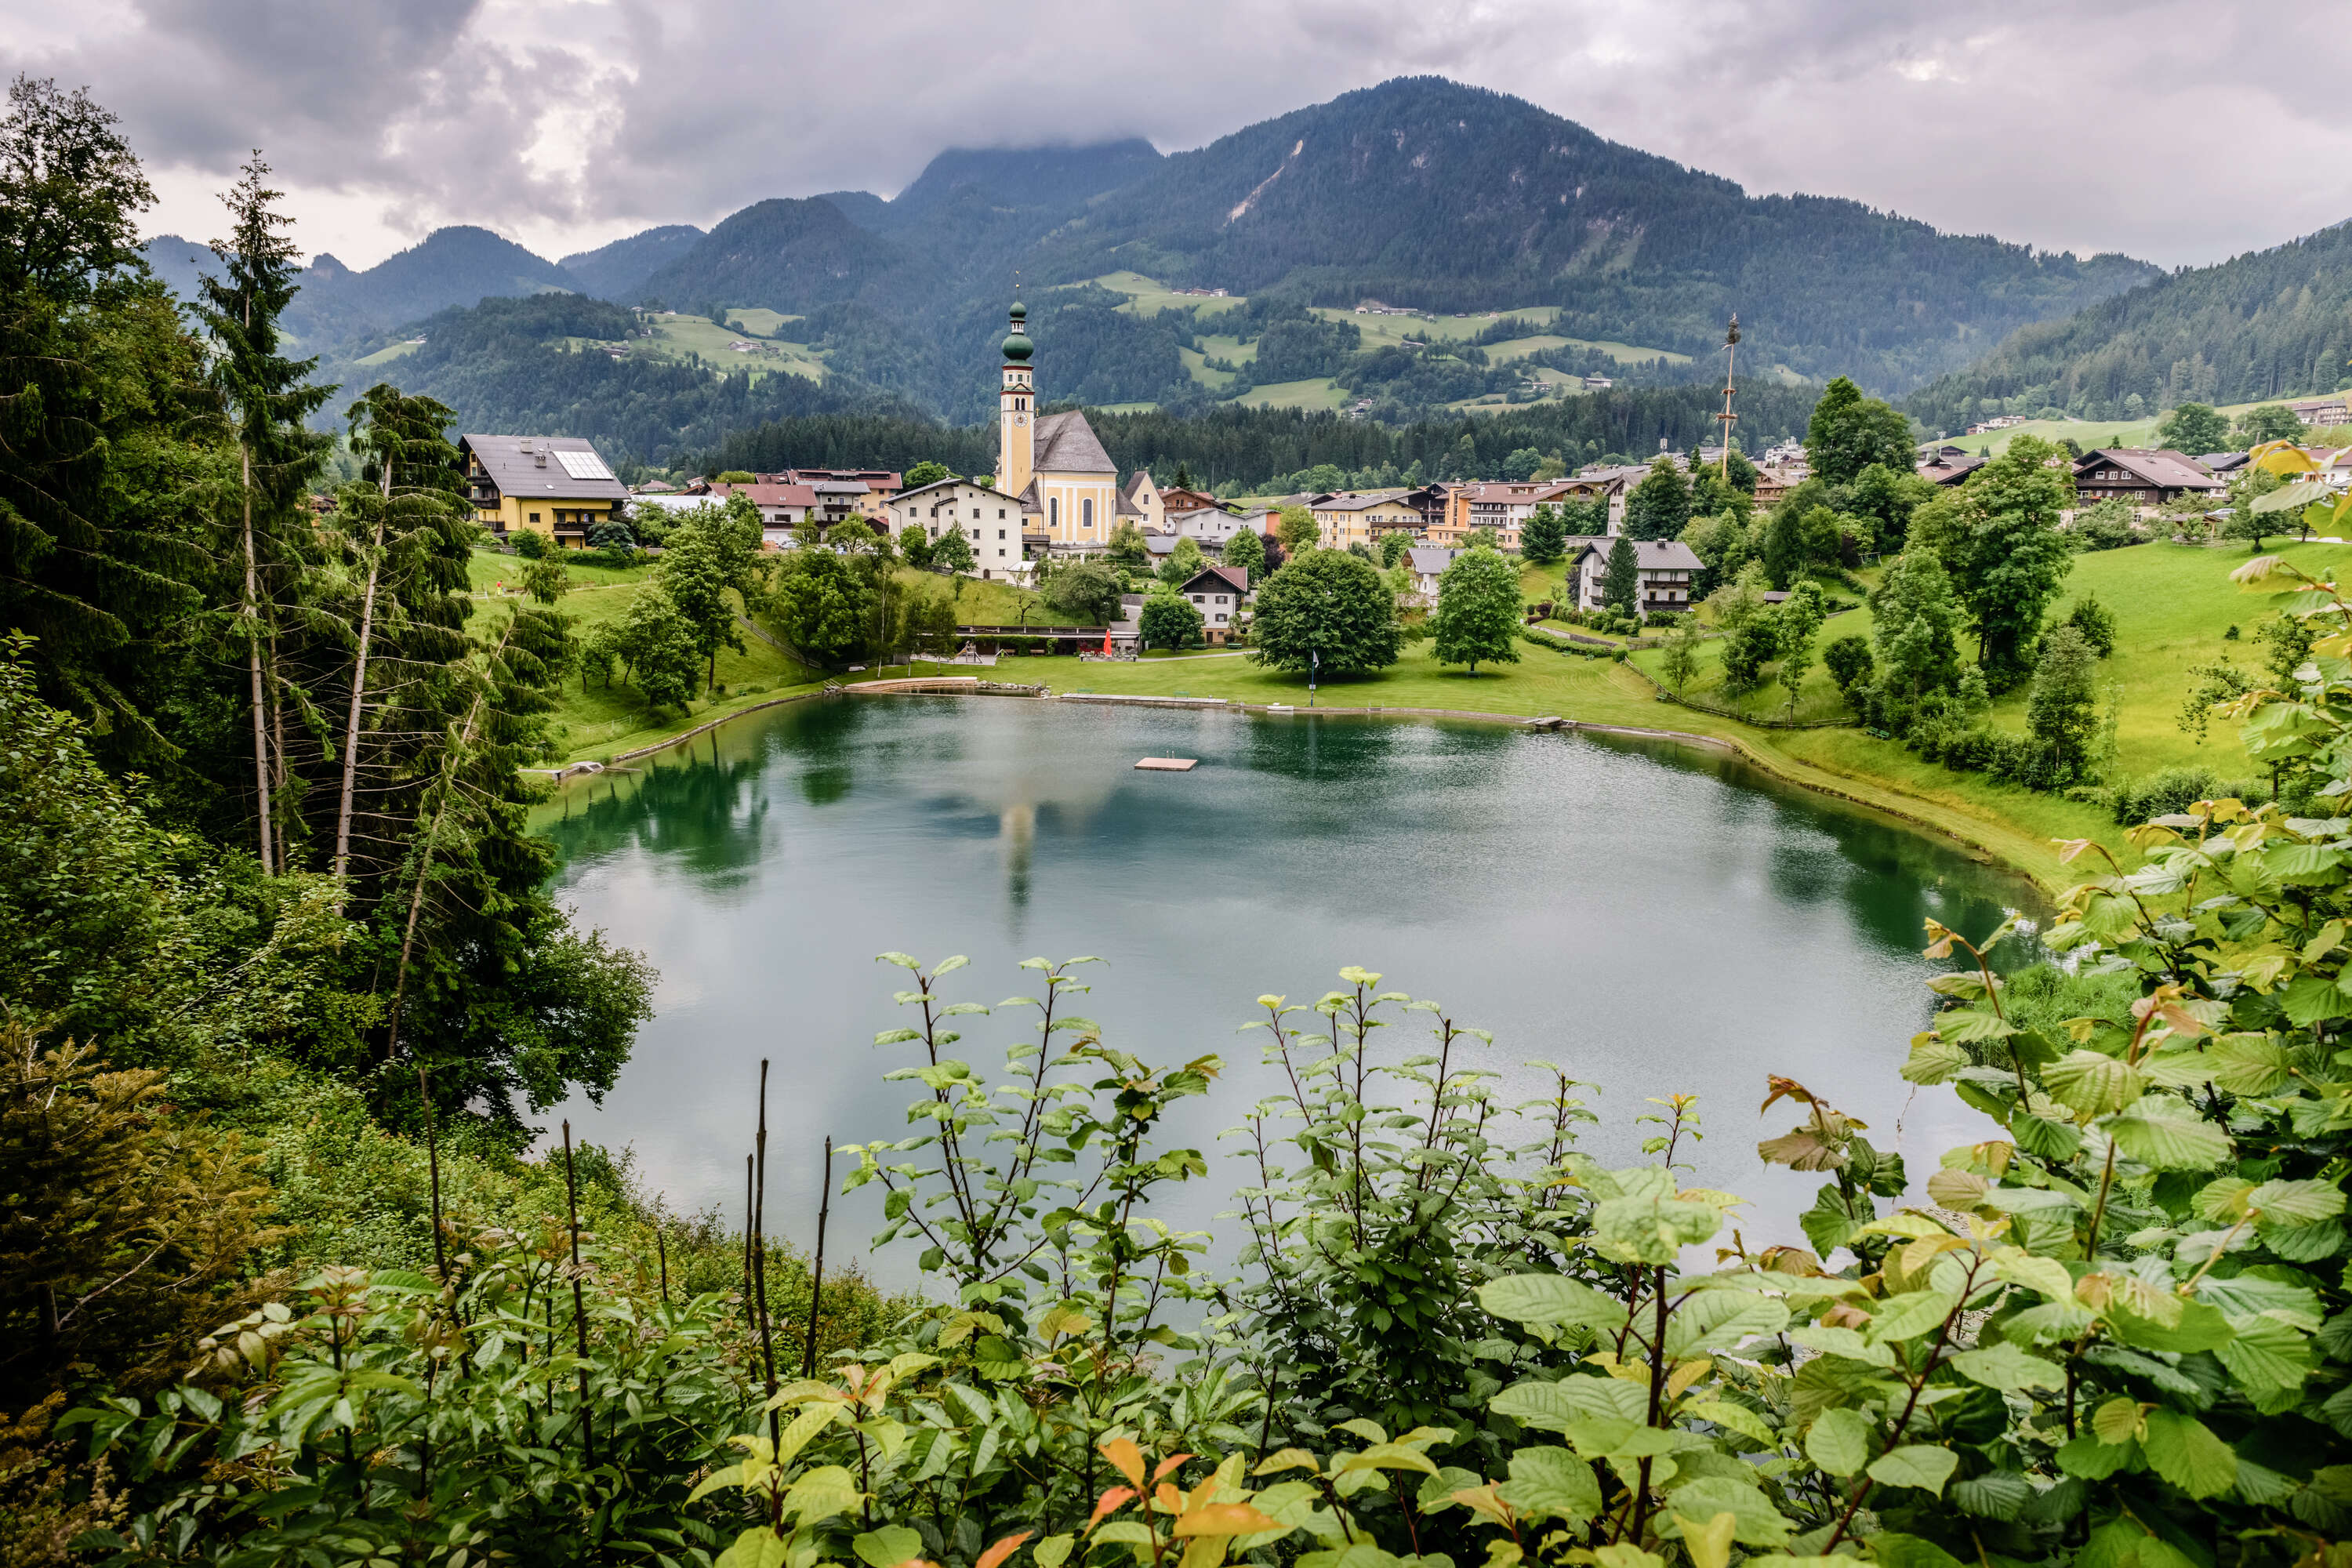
{"x": 1420, "y": 192}
{"x": 2269, "y": 323}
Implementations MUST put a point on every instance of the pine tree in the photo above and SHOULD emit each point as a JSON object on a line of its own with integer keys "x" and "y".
{"x": 269, "y": 399}
{"x": 1544, "y": 539}
{"x": 1621, "y": 581}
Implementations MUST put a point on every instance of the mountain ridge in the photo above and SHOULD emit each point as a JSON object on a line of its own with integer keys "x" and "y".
{"x": 2268, "y": 323}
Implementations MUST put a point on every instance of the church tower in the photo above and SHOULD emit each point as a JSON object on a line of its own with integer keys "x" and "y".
{"x": 1016, "y": 447}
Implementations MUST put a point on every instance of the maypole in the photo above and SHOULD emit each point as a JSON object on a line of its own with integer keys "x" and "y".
{"x": 1727, "y": 419}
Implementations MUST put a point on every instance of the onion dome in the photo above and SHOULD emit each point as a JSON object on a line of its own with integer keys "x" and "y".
{"x": 1017, "y": 348}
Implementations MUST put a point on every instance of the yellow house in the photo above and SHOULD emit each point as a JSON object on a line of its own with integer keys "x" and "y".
{"x": 1344, "y": 519}
{"x": 1068, "y": 486}
{"x": 555, "y": 486}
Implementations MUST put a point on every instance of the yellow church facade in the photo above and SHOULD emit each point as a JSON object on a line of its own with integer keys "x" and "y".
{"x": 1068, "y": 486}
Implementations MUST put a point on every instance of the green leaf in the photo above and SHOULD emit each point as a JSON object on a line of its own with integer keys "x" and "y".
{"x": 2184, "y": 1451}
{"x": 1556, "y": 1407}
{"x": 2267, "y": 1354}
{"x": 888, "y": 1546}
{"x": 2164, "y": 1134}
{"x": 1997, "y": 1494}
{"x": 2093, "y": 1461}
{"x": 2043, "y": 1138}
{"x": 1552, "y": 1299}
{"x": 1840, "y": 1441}
{"x": 2247, "y": 1064}
{"x": 1920, "y": 1465}
{"x": 2199, "y": 1328}
{"x": 756, "y": 1548}
{"x": 1735, "y": 1418}
{"x": 1934, "y": 1059}
{"x": 2296, "y": 1202}
{"x": 1053, "y": 1551}
{"x": 1550, "y": 1481}
{"x": 2090, "y": 1083}
{"x": 1893, "y": 1549}
{"x": 1759, "y": 1523}
{"x": 1905, "y": 1316}
{"x": 2004, "y": 1367}
{"x": 1714, "y": 1321}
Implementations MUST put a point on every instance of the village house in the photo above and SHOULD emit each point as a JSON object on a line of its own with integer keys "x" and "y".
{"x": 874, "y": 502}
{"x": 1149, "y": 501}
{"x": 2146, "y": 478}
{"x": 553, "y": 486}
{"x": 1212, "y": 526}
{"x": 2322, "y": 411}
{"x": 1665, "y": 569}
{"x": 783, "y": 507}
{"x": 1220, "y": 594}
{"x": 1360, "y": 518}
{"x": 1427, "y": 563}
{"x": 988, "y": 517}
{"x": 1947, "y": 465}
{"x": 1173, "y": 499}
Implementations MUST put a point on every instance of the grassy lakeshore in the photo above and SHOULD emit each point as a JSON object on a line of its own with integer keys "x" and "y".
{"x": 2173, "y": 607}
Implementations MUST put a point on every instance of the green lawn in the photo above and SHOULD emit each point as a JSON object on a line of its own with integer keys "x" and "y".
{"x": 1196, "y": 365}
{"x": 676, "y": 336}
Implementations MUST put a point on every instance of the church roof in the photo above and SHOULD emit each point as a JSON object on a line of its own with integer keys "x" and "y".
{"x": 1067, "y": 444}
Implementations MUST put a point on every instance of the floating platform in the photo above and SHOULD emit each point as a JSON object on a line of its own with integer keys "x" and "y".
{"x": 1169, "y": 764}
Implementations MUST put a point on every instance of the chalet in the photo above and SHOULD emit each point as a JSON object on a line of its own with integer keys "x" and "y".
{"x": 2143, "y": 477}
{"x": 1948, "y": 466}
{"x": 1220, "y": 594}
{"x": 2322, "y": 411}
{"x": 989, "y": 519}
{"x": 553, "y": 486}
{"x": 1666, "y": 568}
{"x": 1175, "y": 499}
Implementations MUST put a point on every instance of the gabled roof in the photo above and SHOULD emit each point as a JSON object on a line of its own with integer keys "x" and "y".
{"x": 769, "y": 495}
{"x": 904, "y": 496}
{"x": 1428, "y": 559}
{"x": 1220, "y": 579}
{"x": 1363, "y": 502}
{"x": 2163, "y": 467}
{"x": 514, "y": 464}
{"x": 1652, "y": 554}
{"x": 1067, "y": 444}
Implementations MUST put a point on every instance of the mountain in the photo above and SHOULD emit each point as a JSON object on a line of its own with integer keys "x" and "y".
{"x": 1427, "y": 192}
{"x": 503, "y": 365}
{"x": 1055, "y": 178}
{"x": 459, "y": 266}
{"x": 179, "y": 262}
{"x": 2269, "y": 323}
{"x": 618, "y": 271}
{"x": 789, "y": 256}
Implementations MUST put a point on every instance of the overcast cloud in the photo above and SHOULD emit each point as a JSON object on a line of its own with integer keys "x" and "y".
{"x": 2174, "y": 130}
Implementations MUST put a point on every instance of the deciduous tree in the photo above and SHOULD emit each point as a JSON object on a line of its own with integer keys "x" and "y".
{"x": 1660, "y": 506}
{"x": 1849, "y": 432}
{"x": 1169, "y": 621}
{"x": 1325, "y": 611}
{"x": 1477, "y": 615}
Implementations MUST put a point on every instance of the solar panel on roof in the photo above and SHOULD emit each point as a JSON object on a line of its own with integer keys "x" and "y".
{"x": 583, "y": 465}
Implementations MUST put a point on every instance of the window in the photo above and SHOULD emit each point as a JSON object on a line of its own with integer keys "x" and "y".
{"x": 534, "y": 517}
{"x": 1000, "y": 533}
{"x": 1086, "y": 514}
{"x": 1053, "y": 512}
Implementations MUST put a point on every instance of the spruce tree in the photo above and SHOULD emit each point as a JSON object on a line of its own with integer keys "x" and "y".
{"x": 268, "y": 401}
{"x": 1621, "y": 581}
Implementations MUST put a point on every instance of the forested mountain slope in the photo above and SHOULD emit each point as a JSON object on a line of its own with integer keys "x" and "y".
{"x": 618, "y": 271}
{"x": 2269, "y": 323}
{"x": 1423, "y": 191}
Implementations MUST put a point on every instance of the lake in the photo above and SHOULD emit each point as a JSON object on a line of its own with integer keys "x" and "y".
{"x": 1653, "y": 917}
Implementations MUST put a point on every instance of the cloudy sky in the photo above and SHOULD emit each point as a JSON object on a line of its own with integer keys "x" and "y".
{"x": 2175, "y": 130}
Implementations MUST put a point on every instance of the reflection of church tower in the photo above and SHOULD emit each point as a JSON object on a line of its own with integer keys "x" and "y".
{"x": 1016, "y": 414}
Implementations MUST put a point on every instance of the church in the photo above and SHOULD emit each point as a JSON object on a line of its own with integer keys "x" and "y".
{"x": 1068, "y": 487}
{"x": 1051, "y": 469}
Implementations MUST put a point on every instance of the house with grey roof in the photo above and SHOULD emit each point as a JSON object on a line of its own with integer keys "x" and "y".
{"x": 1664, "y": 571}
{"x": 553, "y": 486}
{"x": 1427, "y": 563}
{"x": 2145, "y": 478}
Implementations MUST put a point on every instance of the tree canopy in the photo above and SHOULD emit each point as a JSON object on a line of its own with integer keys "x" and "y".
{"x": 1477, "y": 615}
{"x": 1329, "y": 611}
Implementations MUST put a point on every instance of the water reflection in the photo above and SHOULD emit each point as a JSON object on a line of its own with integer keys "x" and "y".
{"x": 1653, "y": 919}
